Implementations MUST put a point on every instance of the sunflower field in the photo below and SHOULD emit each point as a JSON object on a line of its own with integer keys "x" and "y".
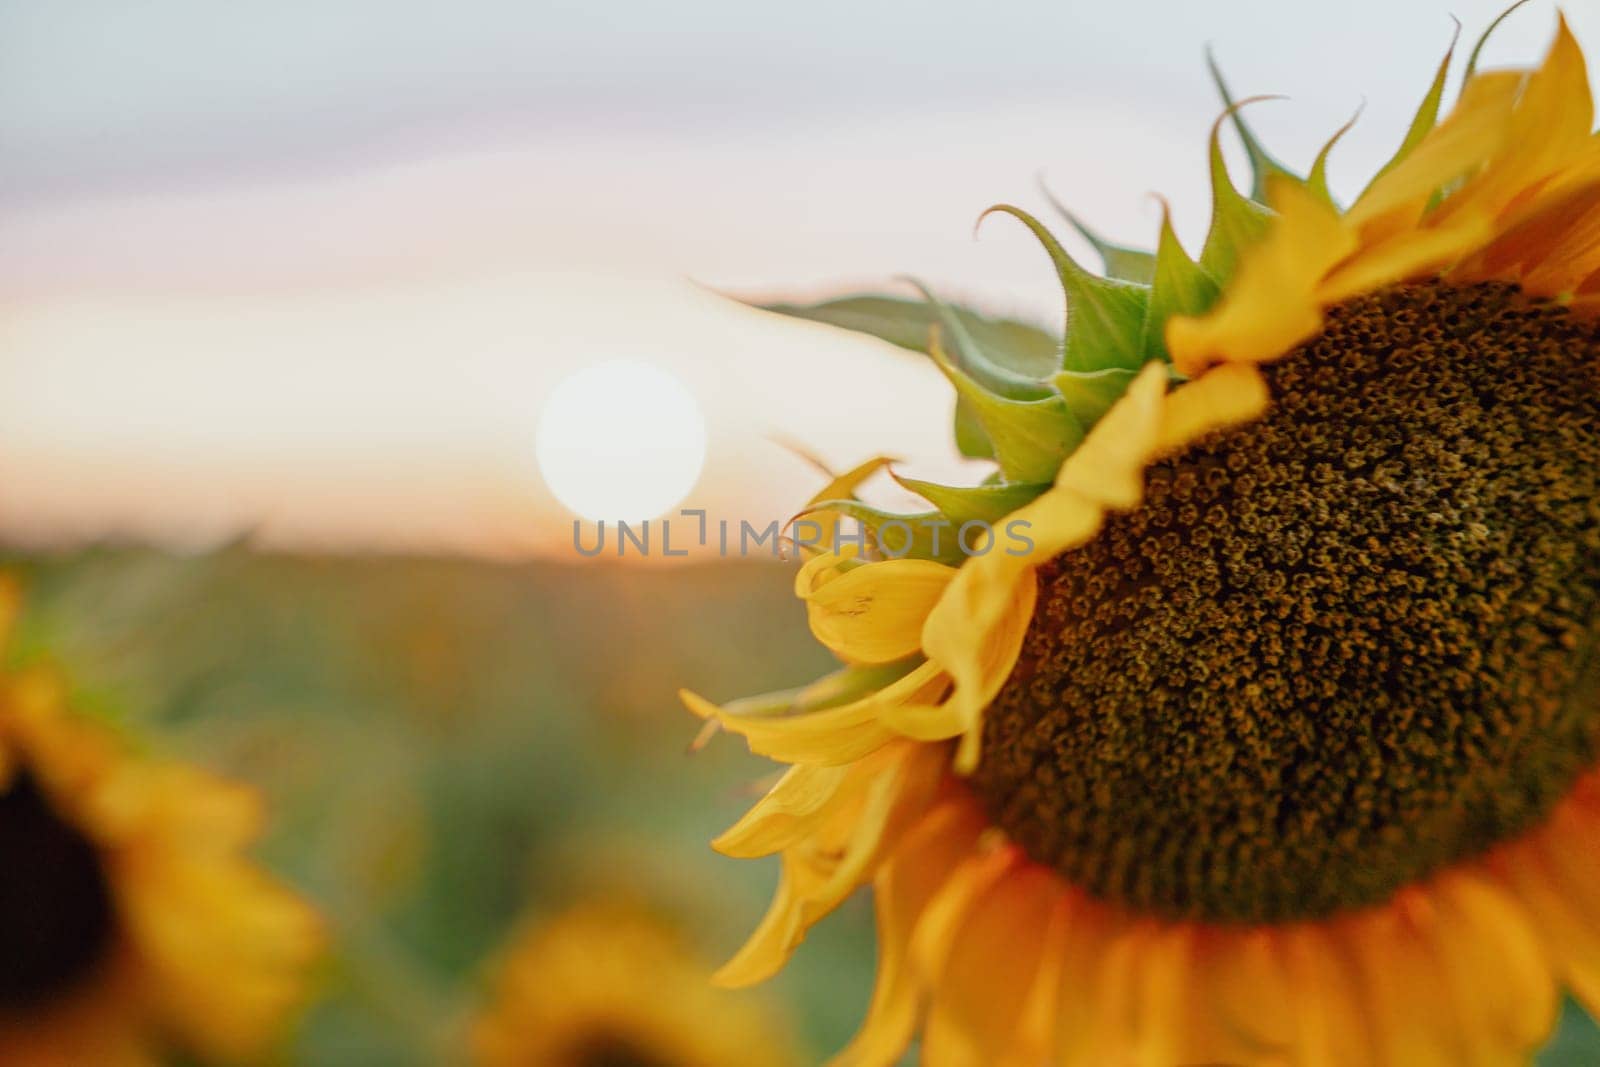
{"x": 1236, "y": 703}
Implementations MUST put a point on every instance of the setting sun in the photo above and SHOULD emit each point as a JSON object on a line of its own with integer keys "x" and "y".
{"x": 621, "y": 440}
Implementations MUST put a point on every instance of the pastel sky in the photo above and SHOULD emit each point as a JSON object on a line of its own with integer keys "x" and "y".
{"x": 307, "y": 272}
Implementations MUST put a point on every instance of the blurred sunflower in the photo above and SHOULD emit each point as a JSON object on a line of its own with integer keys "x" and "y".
{"x": 1253, "y": 719}
{"x": 611, "y": 986}
{"x": 130, "y": 924}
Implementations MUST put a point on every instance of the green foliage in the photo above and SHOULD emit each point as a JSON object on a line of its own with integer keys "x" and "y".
{"x": 1263, "y": 166}
{"x": 1119, "y": 261}
{"x": 1104, "y": 315}
{"x": 1576, "y": 1042}
{"x": 1021, "y": 348}
{"x": 1181, "y": 287}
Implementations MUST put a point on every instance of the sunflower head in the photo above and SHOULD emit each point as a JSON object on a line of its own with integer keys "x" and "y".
{"x": 131, "y": 923}
{"x": 612, "y": 985}
{"x": 1253, "y": 705}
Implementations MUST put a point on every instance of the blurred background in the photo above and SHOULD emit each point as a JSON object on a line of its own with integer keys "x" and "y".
{"x": 321, "y": 323}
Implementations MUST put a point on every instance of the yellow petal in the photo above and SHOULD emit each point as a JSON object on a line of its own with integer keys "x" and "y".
{"x": 1036, "y": 1029}
{"x": 1551, "y": 251}
{"x": 789, "y": 812}
{"x": 1548, "y": 130}
{"x": 917, "y": 870}
{"x": 1224, "y": 396}
{"x": 1108, "y": 467}
{"x": 1496, "y": 967}
{"x": 1271, "y": 305}
{"x": 1556, "y": 875}
{"x": 1091, "y": 929}
{"x": 1331, "y": 1028}
{"x": 874, "y": 612}
{"x": 994, "y": 956}
{"x": 1477, "y": 128}
{"x": 947, "y": 912}
{"x": 1408, "y": 254}
{"x": 829, "y": 736}
{"x": 1240, "y": 1012}
{"x": 1414, "y": 1019}
{"x": 821, "y": 871}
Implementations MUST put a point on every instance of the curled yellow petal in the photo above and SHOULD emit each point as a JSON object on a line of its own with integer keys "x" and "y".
{"x": 828, "y": 736}
{"x": 874, "y": 612}
{"x": 865, "y": 820}
{"x": 788, "y": 813}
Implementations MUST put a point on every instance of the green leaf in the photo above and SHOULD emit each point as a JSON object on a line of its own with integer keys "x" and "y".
{"x": 1181, "y": 288}
{"x": 970, "y": 356}
{"x": 973, "y": 503}
{"x": 1090, "y": 394}
{"x": 1477, "y": 49}
{"x": 971, "y": 441}
{"x": 1576, "y": 1041}
{"x": 1317, "y": 180}
{"x": 1428, "y": 111}
{"x": 1236, "y": 221}
{"x": 1120, "y": 261}
{"x": 1263, "y": 167}
{"x": 921, "y": 535}
{"x": 1030, "y": 438}
{"x": 1104, "y": 315}
{"x": 1017, "y": 347}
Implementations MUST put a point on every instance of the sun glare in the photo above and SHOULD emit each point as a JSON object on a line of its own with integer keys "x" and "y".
{"x": 621, "y": 440}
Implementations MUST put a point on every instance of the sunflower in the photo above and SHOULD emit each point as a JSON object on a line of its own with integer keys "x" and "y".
{"x": 1249, "y": 713}
{"x": 130, "y": 925}
{"x": 611, "y": 985}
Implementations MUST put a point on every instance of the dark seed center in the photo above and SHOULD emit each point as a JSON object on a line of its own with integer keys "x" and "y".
{"x": 55, "y": 904}
{"x": 1336, "y": 649}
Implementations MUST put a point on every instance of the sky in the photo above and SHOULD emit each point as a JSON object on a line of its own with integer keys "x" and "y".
{"x": 308, "y": 273}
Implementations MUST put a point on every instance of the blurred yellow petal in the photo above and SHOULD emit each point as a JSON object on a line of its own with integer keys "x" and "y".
{"x": 1414, "y": 1020}
{"x": 616, "y": 977}
{"x": 1476, "y": 129}
{"x": 1241, "y": 1011}
{"x": 1331, "y": 1027}
{"x": 1224, "y": 396}
{"x": 1271, "y": 304}
{"x": 941, "y": 921}
{"x": 202, "y": 949}
{"x": 916, "y": 871}
{"x": 1090, "y": 932}
{"x": 1556, "y": 876}
{"x": 1409, "y": 254}
{"x": 1549, "y": 129}
{"x": 991, "y": 964}
{"x": 1551, "y": 252}
{"x": 1498, "y": 971}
